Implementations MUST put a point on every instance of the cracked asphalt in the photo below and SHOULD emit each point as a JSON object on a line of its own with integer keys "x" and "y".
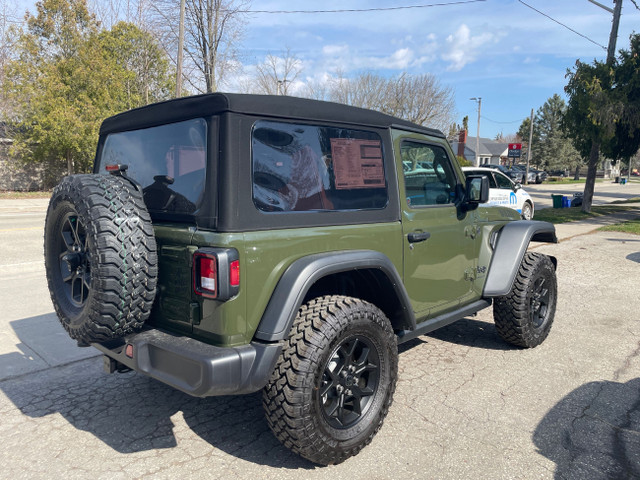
{"x": 466, "y": 406}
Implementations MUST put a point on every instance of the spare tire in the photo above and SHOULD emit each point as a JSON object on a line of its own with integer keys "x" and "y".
{"x": 100, "y": 257}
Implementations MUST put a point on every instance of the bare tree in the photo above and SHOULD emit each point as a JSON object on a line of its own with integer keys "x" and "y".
{"x": 110, "y": 12}
{"x": 276, "y": 75}
{"x": 418, "y": 98}
{"x": 8, "y": 33}
{"x": 213, "y": 30}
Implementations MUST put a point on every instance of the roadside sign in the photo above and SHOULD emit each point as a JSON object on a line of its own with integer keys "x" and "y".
{"x": 515, "y": 149}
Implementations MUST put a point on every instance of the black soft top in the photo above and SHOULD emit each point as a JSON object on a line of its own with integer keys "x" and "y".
{"x": 261, "y": 105}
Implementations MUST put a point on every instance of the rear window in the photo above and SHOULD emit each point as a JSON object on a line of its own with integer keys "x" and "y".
{"x": 169, "y": 161}
{"x": 309, "y": 167}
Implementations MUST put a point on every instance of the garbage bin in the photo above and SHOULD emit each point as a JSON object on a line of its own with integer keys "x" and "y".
{"x": 623, "y": 181}
{"x": 557, "y": 200}
{"x": 566, "y": 203}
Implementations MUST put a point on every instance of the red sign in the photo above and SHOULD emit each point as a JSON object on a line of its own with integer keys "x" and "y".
{"x": 515, "y": 150}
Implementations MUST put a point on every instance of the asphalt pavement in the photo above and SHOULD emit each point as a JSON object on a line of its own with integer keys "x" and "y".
{"x": 467, "y": 405}
{"x": 606, "y": 191}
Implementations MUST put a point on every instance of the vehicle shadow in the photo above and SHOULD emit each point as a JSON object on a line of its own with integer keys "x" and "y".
{"x": 467, "y": 332}
{"x": 131, "y": 413}
{"x": 634, "y": 257}
{"x": 472, "y": 333}
{"x": 594, "y": 432}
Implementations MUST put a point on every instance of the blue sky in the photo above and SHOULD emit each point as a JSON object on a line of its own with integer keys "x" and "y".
{"x": 500, "y": 50}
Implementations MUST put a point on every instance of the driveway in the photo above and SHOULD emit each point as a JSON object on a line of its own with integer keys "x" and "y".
{"x": 467, "y": 405}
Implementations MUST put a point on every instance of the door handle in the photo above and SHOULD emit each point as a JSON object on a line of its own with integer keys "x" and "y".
{"x": 415, "y": 237}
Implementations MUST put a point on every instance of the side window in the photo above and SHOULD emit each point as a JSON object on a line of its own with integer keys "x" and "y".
{"x": 492, "y": 181}
{"x": 310, "y": 167}
{"x": 429, "y": 178}
{"x": 503, "y": 182}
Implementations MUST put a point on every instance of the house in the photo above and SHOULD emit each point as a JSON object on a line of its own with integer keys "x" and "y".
{"x": 491, "y": 151}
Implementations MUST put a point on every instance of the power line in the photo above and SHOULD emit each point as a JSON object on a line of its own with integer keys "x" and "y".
{"x": 381, "y": 9}
{"x": 565, "y": 26}
{"x": 495, "y": 121}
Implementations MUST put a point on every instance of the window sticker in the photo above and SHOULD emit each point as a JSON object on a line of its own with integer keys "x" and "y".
{"x": 357, "y": 163}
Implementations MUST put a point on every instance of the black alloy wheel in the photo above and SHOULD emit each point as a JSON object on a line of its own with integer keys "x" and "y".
{"x": 539, "y": 309}
{"x": 74, "y": 260}
{"x": 349, "y": 382}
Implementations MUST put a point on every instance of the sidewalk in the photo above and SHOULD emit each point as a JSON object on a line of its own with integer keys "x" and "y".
{"x": 565, "y": 231}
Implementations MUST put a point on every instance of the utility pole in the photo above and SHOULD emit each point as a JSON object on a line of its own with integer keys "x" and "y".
{"x": 526, "y": 176}
{"x": 594, "y": 155}
{"x": 476, "y": 162}
{"x": 180, "y": 49}
{"x": 613, "y": 37}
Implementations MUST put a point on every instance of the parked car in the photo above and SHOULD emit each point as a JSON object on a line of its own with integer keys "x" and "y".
{"x": 505, "y": 192}
{"x": 515, "y": 175}
{"x": 533, "y": 174}
{"x": 541, "y": 175}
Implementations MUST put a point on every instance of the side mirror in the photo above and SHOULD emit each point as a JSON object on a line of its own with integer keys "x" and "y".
{"x": 517, "y": 186}
{"x": 477, "y": 187}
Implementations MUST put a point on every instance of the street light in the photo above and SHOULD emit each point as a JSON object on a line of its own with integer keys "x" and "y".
{"x": 283, "y": 84}
{"x": 476, "y": 162}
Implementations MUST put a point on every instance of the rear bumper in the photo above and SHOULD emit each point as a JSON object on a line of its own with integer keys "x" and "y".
{"x": 194, "y": 367}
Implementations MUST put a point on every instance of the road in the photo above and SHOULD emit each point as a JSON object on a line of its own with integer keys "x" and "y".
{"x": 605, "y": 192}
{"x": 466, "y": 406}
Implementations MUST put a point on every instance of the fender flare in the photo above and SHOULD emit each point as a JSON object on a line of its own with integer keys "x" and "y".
{"x": 512, "y": 243}
{"x": 300, "y": 276}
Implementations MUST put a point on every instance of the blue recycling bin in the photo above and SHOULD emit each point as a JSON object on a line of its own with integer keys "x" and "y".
{"x": 566, "y": 203}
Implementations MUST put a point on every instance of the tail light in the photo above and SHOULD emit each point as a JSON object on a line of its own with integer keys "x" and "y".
{"x": 216, "y": 273}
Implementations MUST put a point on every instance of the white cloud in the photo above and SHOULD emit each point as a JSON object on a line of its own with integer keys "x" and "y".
{"x": 343, "y": 59}
{"x": 462, "y": 48}
{"x": 398, "y": 60}
{"x": 335, "y": 50}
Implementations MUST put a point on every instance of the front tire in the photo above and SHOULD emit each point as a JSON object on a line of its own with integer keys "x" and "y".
{"x": 527, "y": 211}
{"x": 334, "y": 381}
{"x": 524, "y": 316}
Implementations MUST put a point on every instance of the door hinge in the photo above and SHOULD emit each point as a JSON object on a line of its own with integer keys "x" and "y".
{"x": 470, "y": 274}
{"x": 472, "y": 231}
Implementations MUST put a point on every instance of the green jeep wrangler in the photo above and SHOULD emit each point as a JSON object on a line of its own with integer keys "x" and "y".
{"x": 230, "y": 243}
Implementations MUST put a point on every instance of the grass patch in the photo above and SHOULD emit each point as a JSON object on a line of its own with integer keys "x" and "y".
{"x": 630, "y": 200}
{"x": 632, "y": 226}
{"x": 14, "y": 195}
{"x": 568, "y": 180}
{"x": 564, "y": 215}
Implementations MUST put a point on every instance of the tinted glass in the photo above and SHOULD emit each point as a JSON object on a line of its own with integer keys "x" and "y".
{"x": 503, "y": 182}
{"x": 309, "y": 167}
{"x": 169, "y": 161}
{"x": 429, "y": 178}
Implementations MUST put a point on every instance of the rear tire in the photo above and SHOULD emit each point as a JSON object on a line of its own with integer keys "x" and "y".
{"x": 524, "y": 316}
{"x": 100, "y": 257}
{"x": 334, "y": 381}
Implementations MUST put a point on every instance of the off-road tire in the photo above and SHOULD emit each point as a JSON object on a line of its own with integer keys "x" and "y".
{"x": 100, "y": 257}
{"x": 524, "y": 316}
{"x": 302, "y": 392}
